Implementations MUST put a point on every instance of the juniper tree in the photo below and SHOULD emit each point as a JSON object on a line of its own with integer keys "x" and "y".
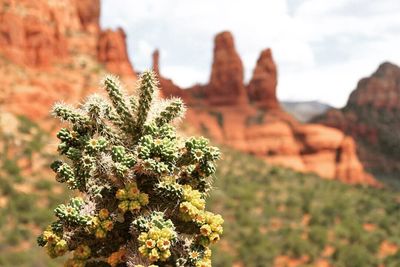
{"x": 142, "y": 188}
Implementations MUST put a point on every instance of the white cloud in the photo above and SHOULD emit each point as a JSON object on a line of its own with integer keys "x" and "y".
{"x": 322, "y": 47}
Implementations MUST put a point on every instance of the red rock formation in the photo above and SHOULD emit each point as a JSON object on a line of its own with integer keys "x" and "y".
{"x": 278, "y": 139}
{"x": 30, "y": 38}
{"x": 89, "y": 14}
{"x": 371, "y": 117}
{"x": 113, "y": 53}
{"x": 264, "y": 129}
{"x": 262, "y": 87}
{"x": 38, "y": 33}
{"x": 349, "y": 168}
{"x": 381, "y": 90}
{"x": 41, "y": 32}
{"x": 221, "y": 108}
{"x": 169, "y": 88}
{"x": 156, "y": 61}
{"x": 226, "y": 82}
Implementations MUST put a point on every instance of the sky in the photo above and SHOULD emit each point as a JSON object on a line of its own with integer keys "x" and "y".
{"x": 321, "y": 47}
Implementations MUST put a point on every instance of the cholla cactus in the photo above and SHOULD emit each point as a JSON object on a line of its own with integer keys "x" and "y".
{"x": 142, "y": 188}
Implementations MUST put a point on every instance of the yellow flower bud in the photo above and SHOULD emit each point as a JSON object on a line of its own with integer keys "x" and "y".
{"x": 205, "y": 230}
{"x": 143, "y": 250}
{"x": 165, "y": 255}
{"x": 61, "y": 247}
{"x": 214, "y": 237}
{"x": 107, "y": 225}
{"x": 163, "y": 244}
{"x": 143, "y": 199}
{"x": 82, "y": 252}
{"x": 103, "y": 214}
{"x": 121, "y": 194}
{"x": 153, "y": 256}
{"x": 134, "y": 206}
{"x": 150, "y": 243}
{"x": 123, "y": 206}
{"x": 100, "y": 233}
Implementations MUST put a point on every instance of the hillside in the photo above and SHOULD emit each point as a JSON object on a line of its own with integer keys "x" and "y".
{"x": 273, "y": 215}
{"x": 276, "y": 216}
{"x": 371, "y": 116}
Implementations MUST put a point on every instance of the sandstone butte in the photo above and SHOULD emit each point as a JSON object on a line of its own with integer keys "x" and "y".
{"x": 249, "y": 118}
{"x": 55, "y": 50}
{"x": 371, "y": 117}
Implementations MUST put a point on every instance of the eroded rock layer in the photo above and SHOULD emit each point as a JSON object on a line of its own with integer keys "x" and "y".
{"x": 49, "y": 52}
{"x": 249, "y": 118}
{"x": 371, "y": 116}
{"x": 65, "y": 38}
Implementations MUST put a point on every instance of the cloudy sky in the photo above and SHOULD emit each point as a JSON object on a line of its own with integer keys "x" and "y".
{"x": 322, "y": 47}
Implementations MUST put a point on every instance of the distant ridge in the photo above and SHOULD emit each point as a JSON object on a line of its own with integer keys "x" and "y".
{"x": 304, "y": 111}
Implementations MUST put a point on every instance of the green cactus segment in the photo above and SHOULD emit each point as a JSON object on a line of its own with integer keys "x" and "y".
{"x": 174, "y": 110}
{"x": 113, "y": 89}
{"x": 147, "y": 87}
{"x": 71, "y": 213}
{"x": 142, "y": 187}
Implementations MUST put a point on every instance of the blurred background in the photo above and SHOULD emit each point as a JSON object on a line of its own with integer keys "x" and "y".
{"x": 303, "y": 96}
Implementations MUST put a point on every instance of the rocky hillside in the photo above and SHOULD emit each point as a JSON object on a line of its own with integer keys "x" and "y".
{"x": 55, "y": 50}
{"x": 371, "y": 116}
{"x": 249, "y": 117}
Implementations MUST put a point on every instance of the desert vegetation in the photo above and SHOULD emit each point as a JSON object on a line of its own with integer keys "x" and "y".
{"x": 273, "y": 215}
{"x": 142, "y": 188}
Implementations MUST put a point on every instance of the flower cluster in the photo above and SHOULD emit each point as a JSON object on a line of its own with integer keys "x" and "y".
{"x": 192, "y": 204}
{"x": 142, "y": 187}
{"x": 155, "y": 244}
{"x": 210, "y": 227}
{"x": 54, "y": 244}
{"x": 102, "y": 224}
{"x": 156, "y": 236}
{"x": 200, "y": 258}
{"x": 131, "y": 198}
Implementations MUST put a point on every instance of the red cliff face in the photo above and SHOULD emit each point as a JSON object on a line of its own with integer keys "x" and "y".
{"x": 89, "y": 14}
{"x": 61, "y": 36}
{"x": 112, "y": 51}
{"x": 371, "y": 117}
{"x": 226, "y": 82}
{"x": 28, "y": 34}
{"x": 381, "y": 90}
{"x": 41, "y": 32}
{"x": 262, "y": 86}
